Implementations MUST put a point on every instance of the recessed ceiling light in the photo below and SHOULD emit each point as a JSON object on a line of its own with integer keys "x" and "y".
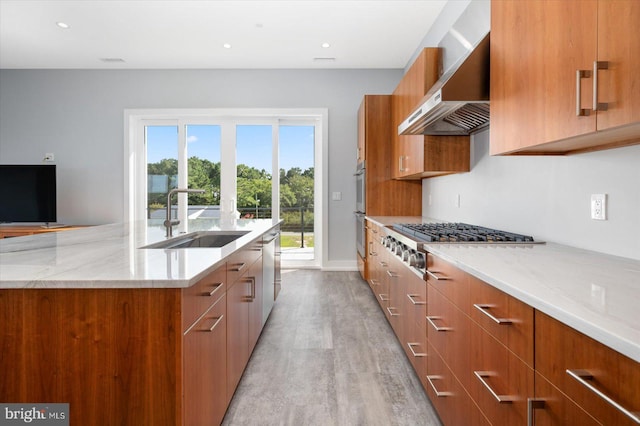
{"x": 63, "y": 25}
{"x": 324, "y": 59}
{"x": 326, "y": 45}
{"x": 112, "y": 59}
{"x": 226, "y": 46}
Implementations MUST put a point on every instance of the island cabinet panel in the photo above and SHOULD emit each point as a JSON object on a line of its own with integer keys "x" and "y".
{"x": 113, "y": 354}
{"x": 205, "y": 367}
{"x": 588, "y": 372}
{"x": 548, "y": 73}
{"x": 244, "y": 310}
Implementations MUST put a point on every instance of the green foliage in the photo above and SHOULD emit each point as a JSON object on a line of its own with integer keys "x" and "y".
{"x": 296, "y": 185}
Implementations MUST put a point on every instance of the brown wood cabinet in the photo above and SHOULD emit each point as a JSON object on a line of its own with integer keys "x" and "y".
{"x": 485, "y": 337}
{"x": 384, "y": 196}
{"x": 21, "y": 231}
{"x": 417, "y": 156}
{"x": 580, "y": 368}
{"x": 141, "y": 356}
{"x": 545, "y": 69}
{"x": 244, "y": 311}
{"x": 205, "y": 367}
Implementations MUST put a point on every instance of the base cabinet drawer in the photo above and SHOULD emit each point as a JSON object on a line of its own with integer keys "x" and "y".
{"x": 451, "y": 401}
{"x": 602, "y": 381}
{"x": 501, "y": 382}
{"x": 552, "y": 407}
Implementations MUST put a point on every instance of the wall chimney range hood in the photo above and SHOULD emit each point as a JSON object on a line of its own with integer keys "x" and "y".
{"x": 458, "y": 103}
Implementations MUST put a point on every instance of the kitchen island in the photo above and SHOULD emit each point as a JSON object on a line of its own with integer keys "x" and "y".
{"x": 130, "y": 335}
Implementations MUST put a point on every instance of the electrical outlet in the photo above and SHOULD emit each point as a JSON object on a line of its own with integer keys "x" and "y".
{"x": 48, "y": 157}
{"x": 599, "y": 206}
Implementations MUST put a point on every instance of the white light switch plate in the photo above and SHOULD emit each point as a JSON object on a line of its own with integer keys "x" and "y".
{"x": 336, "y": 196}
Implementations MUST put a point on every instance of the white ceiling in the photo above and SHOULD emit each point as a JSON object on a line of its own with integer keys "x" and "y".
{"x": 190, "y": 34}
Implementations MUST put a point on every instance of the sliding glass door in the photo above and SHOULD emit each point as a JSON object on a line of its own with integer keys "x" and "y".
{"x": 248, "y": 168}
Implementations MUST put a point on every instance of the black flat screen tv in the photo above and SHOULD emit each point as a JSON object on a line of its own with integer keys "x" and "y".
{"x": 28, "y": 193}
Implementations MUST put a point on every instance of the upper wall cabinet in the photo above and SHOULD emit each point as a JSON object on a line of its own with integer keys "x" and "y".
{"x": 564, "y": 76}
{"x": 418, "y": 156}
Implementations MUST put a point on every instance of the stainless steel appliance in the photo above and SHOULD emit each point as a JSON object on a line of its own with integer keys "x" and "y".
{"x": 458, "y": 103}
{"x": 360, "y": 188}
{"x": 406, "y": 240}
{"x": 360, "y": 234}
{"x": 270, "y": 268}
{"x": 360, "y": 208}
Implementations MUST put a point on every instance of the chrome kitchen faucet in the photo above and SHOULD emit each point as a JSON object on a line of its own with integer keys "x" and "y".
{"x": 168, "y": 222}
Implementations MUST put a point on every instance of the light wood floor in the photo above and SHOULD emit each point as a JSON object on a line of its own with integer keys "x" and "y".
{"x": 327, "y": 356}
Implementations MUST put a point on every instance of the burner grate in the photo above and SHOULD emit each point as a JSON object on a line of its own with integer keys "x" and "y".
{"x": 459, "y": 232}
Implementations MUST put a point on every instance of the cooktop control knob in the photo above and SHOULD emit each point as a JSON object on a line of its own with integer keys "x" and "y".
{"x": 406, "y": 255}
{"x": 417, "y": 260}
{"x": 398, "y": 249}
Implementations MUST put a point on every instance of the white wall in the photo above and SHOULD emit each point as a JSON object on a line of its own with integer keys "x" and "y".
{"x": 544, "y": 196}
{"x": 78, "y": 116}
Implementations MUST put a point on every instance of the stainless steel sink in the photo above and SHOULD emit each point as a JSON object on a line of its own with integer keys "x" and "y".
{"x": 203, "y": 239}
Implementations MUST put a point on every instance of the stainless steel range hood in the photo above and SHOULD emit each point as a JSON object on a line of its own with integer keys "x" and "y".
{"x": 458, "y": 103}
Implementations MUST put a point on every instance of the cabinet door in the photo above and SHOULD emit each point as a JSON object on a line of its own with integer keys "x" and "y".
{"x": 205, "y": 368}
{"x": 600, "y": 374}
{"x": 408, "y": 151}
{"x": 537, "y": 47}
{"x": 238, "y": 299}
{"x": 619, "y": 45}
{"x": 360, "y": 155}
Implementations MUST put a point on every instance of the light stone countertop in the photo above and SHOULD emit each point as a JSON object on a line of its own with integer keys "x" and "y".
{"x": 595, "y": 293}
{"x": 109, "y": 256}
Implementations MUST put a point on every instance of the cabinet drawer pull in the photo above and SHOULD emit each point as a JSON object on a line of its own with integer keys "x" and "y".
{"x": 583, "y": 377}
{"x": 598, "y": 65}
{"x": 384, "y": 264}
{"x": 433, "y": 275}
{"x": 580, "y": 74}
{"x": 411, "y": 297}
{"x": 417, "y": 355}
{"x": 392, "y": 274}
{"x": 384, "y": 297}
{"x": 215, "y": 324}
{"x": 253, "y": 288}
{"x": 439, "y": 394}
{"x": 239, "y": 267}
{"x": 215, "y": 288}
{"x": 485, "y": 310}
{"x": 533, "y": 404}
{"x": 502, "y": 399}
{"x": 373, "y": 282}
{"x": 391, "y": 313}
{"x": 433, "y": 324}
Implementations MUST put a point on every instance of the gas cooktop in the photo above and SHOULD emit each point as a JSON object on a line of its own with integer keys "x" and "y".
{"x": 458, "y": 233}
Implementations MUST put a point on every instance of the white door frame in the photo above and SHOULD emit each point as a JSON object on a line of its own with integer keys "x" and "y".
{"x": 135, "y": 156}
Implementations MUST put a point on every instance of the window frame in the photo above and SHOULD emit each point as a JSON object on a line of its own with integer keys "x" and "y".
{"x": 135, "y": 159}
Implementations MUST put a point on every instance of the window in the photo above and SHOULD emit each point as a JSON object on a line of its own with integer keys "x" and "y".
{"x": 250, "y": 164}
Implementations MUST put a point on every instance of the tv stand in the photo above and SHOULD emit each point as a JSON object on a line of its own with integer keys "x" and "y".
{"x": 9, "y": 231}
